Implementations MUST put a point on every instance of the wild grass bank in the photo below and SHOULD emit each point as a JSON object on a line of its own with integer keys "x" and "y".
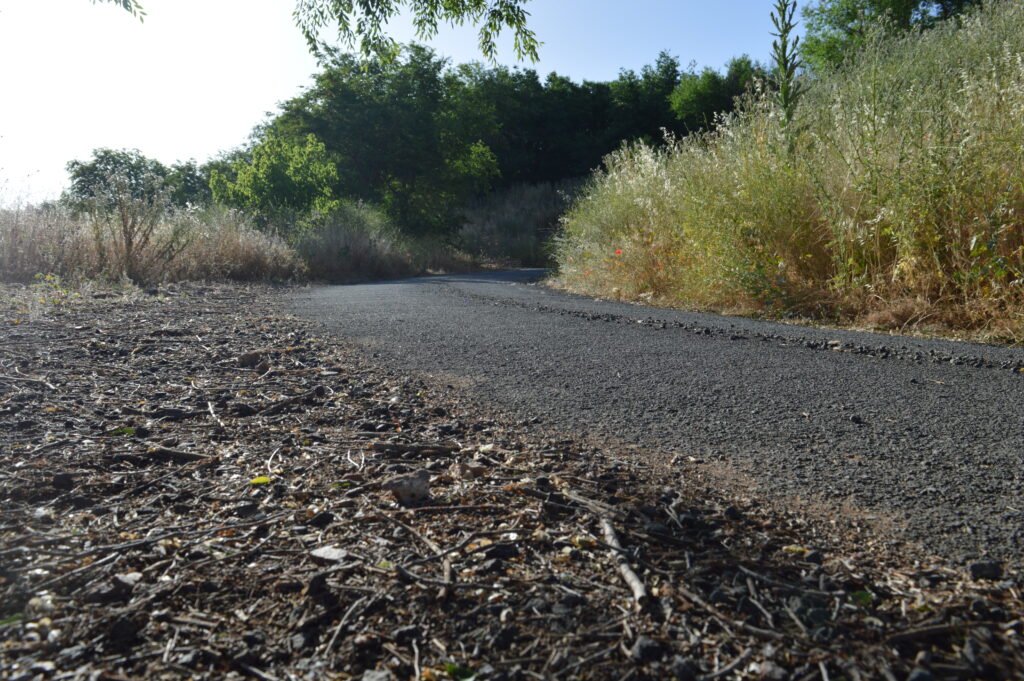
{"x": 895, "y": 197}
{"x": 135, "y": 242}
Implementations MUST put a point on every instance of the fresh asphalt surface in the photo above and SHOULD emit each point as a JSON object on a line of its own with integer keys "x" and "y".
{"x": 928, "y": 433}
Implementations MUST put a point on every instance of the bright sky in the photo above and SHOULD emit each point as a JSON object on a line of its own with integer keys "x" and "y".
{"x": 197, "y": 75}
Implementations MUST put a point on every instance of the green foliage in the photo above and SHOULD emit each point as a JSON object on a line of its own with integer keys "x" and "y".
{"x": 405, "y": 134}
{"x": 131, "y": 6}
{"x": 422, "y": 138}
{"x": 839, "y": 28}
{"x": 128, "y": 169}
{"x": 187, "y": 183}
{"x": 281, "y": 178}
{"x": 700, "y": 97}
{"x": 361, "y": 23}
{"x": 899, "y": 185}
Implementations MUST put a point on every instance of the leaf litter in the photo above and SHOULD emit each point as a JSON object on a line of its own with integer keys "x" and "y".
{"x": 195, "y": 486}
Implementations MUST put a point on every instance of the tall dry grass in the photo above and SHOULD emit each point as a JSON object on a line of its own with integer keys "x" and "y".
{"x": 896, "y": 194}
{"x": 214, "y": 244}
{"x": 357, "y": 242}
{"x": 513, "y": 226}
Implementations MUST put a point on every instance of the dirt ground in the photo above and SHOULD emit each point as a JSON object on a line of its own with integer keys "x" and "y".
{"x": 195, "y": 486}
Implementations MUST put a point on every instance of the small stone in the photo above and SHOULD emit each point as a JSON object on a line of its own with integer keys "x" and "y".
{"x": 920, "y": 674}
{"x": 986, "y": 569}
{"x": 537, "y": 603}
{"x": 328, "y": 554}
{"x": 63, "y": 481}
{"x": 249, "y": 360}
{"x": 44, "y": 667}
{"x": 646, "y": 650}
{"x": 409, "y": 490}
{"x": 684, "y": 669}
{"x": 304, "y": 639}
{"x": 971, "y": 653}
{"x": 321, "y": 520}
{"x": 376, "y": 675}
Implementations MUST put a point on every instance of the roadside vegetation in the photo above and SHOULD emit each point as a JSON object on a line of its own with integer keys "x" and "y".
{"x": 873, "y": 174}
{"x": 893, "y": 197}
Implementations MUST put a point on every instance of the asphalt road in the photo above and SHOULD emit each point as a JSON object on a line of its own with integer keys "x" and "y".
{"x": 927, "y": 433}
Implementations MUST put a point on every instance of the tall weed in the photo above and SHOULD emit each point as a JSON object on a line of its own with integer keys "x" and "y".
{"x": 899, "y": 184}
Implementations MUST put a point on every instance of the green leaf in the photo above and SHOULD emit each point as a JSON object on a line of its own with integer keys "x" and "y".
{"x": 13, "y": 619}
{"x": 124, "y": 430}
{"x": 260, "y": 480}
{"x": 459, "y": 673}
{"x": 862, "y": 599}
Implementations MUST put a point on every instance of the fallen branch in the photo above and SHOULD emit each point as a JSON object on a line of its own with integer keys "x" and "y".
{"x": 635, "y": 584}
{"x": 25, "y": 379}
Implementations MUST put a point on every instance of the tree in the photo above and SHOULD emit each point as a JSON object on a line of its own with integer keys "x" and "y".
{"x": 837, "y": 28}
{"x": 407, "y": 134}
{"x": 699, "y": 97}
{"x": 138, "y": 176}
{"x": 280, "y": 178}
{"x": 361, "y": 23}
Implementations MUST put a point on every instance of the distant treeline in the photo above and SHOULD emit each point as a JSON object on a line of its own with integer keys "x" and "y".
{"x": 420, "y": 137}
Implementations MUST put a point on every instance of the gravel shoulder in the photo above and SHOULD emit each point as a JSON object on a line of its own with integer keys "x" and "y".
{"x": 194, "y": 485}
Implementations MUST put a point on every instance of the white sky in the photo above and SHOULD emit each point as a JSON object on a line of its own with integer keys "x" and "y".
{"x": 197, "y": 75}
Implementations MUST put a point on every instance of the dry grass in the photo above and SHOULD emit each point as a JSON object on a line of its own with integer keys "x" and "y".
{"x": 356, "y": 242}
{"x": 512, "y": 226}
{"x": 896, "y": 197}
{"x": 211, "y": 245}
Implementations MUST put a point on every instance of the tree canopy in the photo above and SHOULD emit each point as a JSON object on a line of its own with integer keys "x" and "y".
{"x": 362, "y": 23}
{"x": 836, "y": 28}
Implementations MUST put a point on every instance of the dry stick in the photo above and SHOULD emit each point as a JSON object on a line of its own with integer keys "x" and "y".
{"x": 744, "y": 656}
{"x": 209, "y": 406}
{"x": 634, "y": 582}
{"x": 26, "y": 379}
{"x": 750, "y": 629}
{"x": 50, "y": 445}
{"x": 176, "y": 455}
{"x": 77, "y": 571}
{"x": 413, "y": 577}
{"x": 275, "y": 407}
{"x": 341, "y": 624}
{"x": 443, "y": 594}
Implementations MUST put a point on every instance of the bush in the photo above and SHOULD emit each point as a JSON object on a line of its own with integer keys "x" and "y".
{"x": 900, "y": 179}
{"x": 357, "y": 242}
{"x": 512, "y": 226}
{"x": 213, "y": 244}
